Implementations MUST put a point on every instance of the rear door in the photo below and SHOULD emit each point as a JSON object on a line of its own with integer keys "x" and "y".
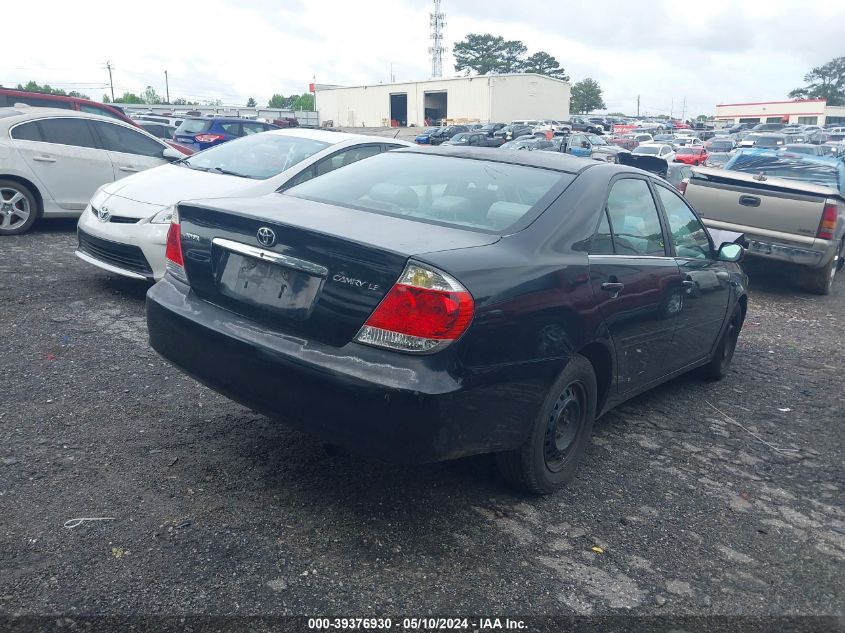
{"x": 130, "y": 150}
{"x": 636, "y": 282}
{"x": 703, "y": 302}
{"x": 64, "y": 155}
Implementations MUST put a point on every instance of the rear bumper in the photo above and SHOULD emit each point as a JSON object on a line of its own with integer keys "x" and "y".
{"x": 786, "y": 253}
{"x": 392, "y": 406}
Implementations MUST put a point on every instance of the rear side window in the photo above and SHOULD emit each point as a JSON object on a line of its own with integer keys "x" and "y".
{"x": 253, "y": 128}
{"x": 117, "y": 138}
{"x": 74, "y": 132}
{"x": 231, "y": 128}
{"x": 193, "y": 126}
{"x": 634, "y": 220}
{"x": 27, "y": 132}
{"x": 477, "y": 194}
{"x": 688, "y": 234}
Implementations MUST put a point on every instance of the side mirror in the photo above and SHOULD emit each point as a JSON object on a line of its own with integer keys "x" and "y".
{"x": 172, "y": 154}
{"x": 585, "y": 145}
{"x": 730, "y": 252}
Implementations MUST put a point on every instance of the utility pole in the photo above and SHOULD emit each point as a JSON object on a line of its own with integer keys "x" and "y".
{"x": 111, "y": 83}
{"x": 684, "y": 109}
{"x": 638, "y": 106}
{"x": 167, "y": 86}
{"x": 672, "y": 108}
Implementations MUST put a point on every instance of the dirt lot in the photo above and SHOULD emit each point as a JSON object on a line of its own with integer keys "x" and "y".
{"x": 678, "y": 508}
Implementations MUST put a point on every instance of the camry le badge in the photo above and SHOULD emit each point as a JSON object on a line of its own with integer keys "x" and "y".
{"x": 266, "y": 236}
{"x": 103, "y": 214}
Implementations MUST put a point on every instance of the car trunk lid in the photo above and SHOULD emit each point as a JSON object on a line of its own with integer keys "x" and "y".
{"x": 303, "y": 267}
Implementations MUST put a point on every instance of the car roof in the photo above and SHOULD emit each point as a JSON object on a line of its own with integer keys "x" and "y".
{"x": 24, "y": 113}
{"x": 544, "y": 160}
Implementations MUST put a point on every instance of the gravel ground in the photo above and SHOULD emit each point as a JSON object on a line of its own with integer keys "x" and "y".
{"x": 678, "y": 508}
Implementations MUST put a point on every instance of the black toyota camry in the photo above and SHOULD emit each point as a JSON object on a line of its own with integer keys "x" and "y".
{"x": 422, "y": 305}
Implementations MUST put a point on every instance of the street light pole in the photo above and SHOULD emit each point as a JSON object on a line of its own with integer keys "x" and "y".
{"x": 167, "y": 86}
{"x": 111, "y": 83}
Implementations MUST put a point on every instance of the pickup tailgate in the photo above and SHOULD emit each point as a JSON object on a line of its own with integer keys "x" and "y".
{"x": 772, "y": 205}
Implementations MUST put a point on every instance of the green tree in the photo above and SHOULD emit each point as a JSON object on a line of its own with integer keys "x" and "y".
{"x": 702, "y": 117}
{"x": 250, "y": 103}
{"x": 150, "y": 96}
{"x": 305, "y": 101}
{"x": 586, "y": 96}
{"x": 824, "y": 82}
{"x": 485, "y": 53}
{"x": 32, "y": 86}
{"x": 277, "y": 101}
{"x": 543, "y": 64}
{"x": 213, "y": 102}
{"x": 129, "y": 97}
{"x": 181, "y": 101}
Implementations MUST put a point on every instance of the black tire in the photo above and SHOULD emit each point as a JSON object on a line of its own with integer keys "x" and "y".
{"x": 8, "y": 188}
{"x": 565, "y": 420}
{"x": 820, "y": 280}
{"x": 720, "y": 362}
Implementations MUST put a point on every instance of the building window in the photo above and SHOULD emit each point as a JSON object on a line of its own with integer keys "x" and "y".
{"x": 750, "y": 120}
{"x": 808, "y": 120}
{"x": 774, "y": 119}
{"x": 835, "y": 119}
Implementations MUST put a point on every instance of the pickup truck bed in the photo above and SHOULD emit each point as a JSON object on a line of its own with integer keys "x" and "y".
{"x": 782, "y": 219}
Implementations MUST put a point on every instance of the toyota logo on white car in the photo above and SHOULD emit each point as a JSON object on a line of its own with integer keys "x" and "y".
{"x": 103, "y": 214}
{"x": 266, "y": 236}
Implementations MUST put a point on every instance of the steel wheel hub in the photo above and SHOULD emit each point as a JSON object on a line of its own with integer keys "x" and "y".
{"x": 564, "y": 424}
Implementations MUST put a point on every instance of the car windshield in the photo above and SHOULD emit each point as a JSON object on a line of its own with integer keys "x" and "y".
{"x": 460, "y": 138}
{"x": 791, "y": 168}
{"x": 836, "y": 137}
{"x": 687, "y": 150}
{"x": 647, "y": 149}
{"x": 596, "y": 140}
{"x": 476, "y": 194}
{"x": 259, "y": 156}
{"x": 800, "y": 149}
{"x": 193, "y": 126}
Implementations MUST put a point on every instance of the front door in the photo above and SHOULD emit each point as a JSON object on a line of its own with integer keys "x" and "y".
{"x": 707, "y": 289}
{"x": 129, "y": 150}
{"x": 579, "y": 146}
{"x": 636, "y": 282}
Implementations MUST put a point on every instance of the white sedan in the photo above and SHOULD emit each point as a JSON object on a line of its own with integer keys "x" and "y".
{"x": 660, "y": 150}
{"x": 52, "y": 160}
{"x": 124, "y": 229}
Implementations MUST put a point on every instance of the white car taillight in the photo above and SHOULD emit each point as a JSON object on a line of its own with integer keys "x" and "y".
{"x": 175, "y": 263}
{"x": 424, "y": 311}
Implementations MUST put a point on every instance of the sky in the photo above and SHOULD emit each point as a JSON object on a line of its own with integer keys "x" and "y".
{"x": 671, "y": 54}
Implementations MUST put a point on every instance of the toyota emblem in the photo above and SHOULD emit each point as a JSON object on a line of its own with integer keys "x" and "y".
{"x": 266, "y": 236}
{"x": 103, "y": 214}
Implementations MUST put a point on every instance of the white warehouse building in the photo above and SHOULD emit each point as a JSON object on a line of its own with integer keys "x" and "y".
{"x": 484, "y": 98}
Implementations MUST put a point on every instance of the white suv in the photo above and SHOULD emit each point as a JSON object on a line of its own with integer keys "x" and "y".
{"x": 52, "y": 161}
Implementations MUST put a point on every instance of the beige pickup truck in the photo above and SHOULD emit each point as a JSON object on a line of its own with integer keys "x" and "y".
{"x": 789, "y": 208}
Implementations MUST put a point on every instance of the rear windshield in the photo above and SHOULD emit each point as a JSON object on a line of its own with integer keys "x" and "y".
{"x": 647, "y": 149}
{"x": 194, "y": 126}
{"x": 688, "y": 150}
{"x": 476, "y": 194}
{"x": 788, "y": 167}
{"x": 258, "y": 156}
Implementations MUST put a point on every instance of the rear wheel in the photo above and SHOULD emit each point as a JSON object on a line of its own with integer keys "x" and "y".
{"x": 720, "y": 362}
{"x": 820, "y": 280}
{"x": 560, "y": 433}
{"x": 18, "y": 208}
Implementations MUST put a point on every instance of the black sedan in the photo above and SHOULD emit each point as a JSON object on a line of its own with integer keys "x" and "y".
{"x": 423, "y": 305}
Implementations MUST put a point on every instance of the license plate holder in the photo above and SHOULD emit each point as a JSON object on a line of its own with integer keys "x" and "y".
{"x": 268, "y": 286}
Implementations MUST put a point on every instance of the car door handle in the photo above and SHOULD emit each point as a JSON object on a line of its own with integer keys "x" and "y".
{"x": 613, "y": 287}
{"x": 127, "y": 168}
{"x": 749, "y": 201}
{"x": 44, "y": 159}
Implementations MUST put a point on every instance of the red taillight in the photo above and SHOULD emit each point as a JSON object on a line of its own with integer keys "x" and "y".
{"x": 827, "y": 227}
{"x": 209, "y": 138}
{"x": 175, "y": 263}
{"x": 423, "y": 312}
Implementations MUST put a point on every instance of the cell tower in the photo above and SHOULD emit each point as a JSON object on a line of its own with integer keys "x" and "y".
{"x": 437, "y": 21}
